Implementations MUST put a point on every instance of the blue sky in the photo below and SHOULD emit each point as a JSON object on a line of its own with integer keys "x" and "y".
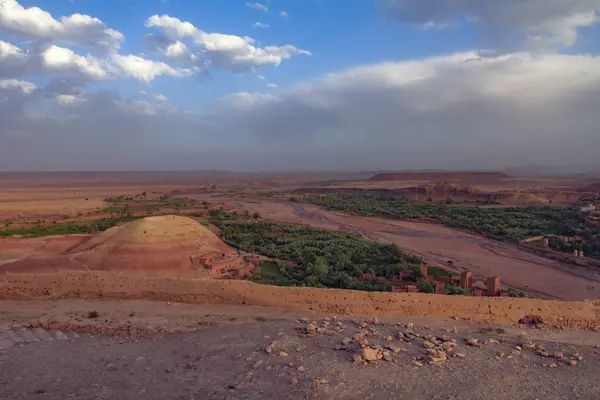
{"x": 338, "y": 38}
{"x": 179, "y": 84}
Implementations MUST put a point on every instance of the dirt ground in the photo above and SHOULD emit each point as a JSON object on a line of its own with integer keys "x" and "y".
{"x": 217, "y": 352}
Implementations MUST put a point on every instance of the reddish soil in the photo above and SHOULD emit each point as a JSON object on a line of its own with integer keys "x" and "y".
{"x": 169, "y": 246}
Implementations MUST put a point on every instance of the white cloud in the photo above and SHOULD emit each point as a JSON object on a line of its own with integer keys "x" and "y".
{"x": 542, "y": 24}
{"x": 61, "y": 60}
{"x": 36, "y": 23}
{"x": 272, "y": 85}
{"x": 259, "y": 76}
{"x": 454, "y": 111}
{"x": 172, "y": 28}
{"x": 56, "y": 61}
{"x": 70, "y": 100}
{"x": 284, "y": 14}
{"x": 258, "y": 6}
{"x": 219, "y": 50}
{"x": 24, "y": 87}
{"x": 12, "y": 60}
{"x": 145, "y": 70}
{"x": 259, "y": 25}
{"x": 161, "y": 98}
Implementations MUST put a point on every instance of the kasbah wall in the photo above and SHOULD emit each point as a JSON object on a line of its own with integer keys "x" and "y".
{"x": 105, "y": 285}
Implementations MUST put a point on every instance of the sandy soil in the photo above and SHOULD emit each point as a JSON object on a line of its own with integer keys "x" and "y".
{"x": 222, "y": 356}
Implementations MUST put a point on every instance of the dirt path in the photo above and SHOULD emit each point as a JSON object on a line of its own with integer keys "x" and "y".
{"x": 225, "y": 357}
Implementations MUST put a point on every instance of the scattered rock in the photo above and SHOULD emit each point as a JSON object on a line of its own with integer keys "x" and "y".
{"x": 473, "y": 342}
{"x": 369, "y": 354}
{"x": 319, "y": 382}
{"x": 387, "y": 356}
{"x": 417, "y": 363}
{"x": 460, "y": 355}
{"x": 283, "y": 354}
{"x": 376, "y": 321}
{"x": 428, "y": 345}
{"x": 389, "y": 338}
{"x": 518, "y": 348}
{"x": 572, "y": 363}
{"x": 553, "y": 365}
{"x": 294, "y": 381}
{"x": 269, "y": 349}
{"x": 310, "y": 329}
{"x": 531, "y": 320}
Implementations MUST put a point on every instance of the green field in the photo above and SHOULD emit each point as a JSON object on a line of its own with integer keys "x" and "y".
{"x": 321, "y": 258}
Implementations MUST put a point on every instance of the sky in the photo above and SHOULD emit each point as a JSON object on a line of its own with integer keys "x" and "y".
{"x": 280, "y": 85}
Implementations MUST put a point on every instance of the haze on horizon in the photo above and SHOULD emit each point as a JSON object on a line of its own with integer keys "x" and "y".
{"x": 299, "y": 85}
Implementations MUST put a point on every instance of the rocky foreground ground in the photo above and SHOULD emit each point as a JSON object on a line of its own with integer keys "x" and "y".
{"x": 262, "y": 357}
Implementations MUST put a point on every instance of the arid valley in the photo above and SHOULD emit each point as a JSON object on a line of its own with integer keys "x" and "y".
{"x": 90, "y": 258}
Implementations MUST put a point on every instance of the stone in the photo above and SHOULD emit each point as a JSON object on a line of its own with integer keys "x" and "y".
{"x": 531, "y": 320}
{"x": 28, "y": 336}
{"x": 269, "y": 349}
{"x": 310, "y": 329}
{"x": 473, "y": 342}
{"x": 294, "y": 381}
{"x": 428, "y": 345}
{"x": 460, "y": 355}
{"x": 301, "y": 368}
{"x": 43, "y": 335}
{"x": 417, "y": 363}
{"x": 389, "y": 338}
{"x": 369, "y": 354}
{"x": 518, "y": 348}
{"x": 446, "y": 338}
{"x": 358, "y": 359}
{"x": 572, "y": 363}
{"x": 60, "y": 335}
{"x": 387, "y": 356}
{"x": 34, "y": 323}
{"x": 10, "y": 335}
{"x": 543, "y": 353}
{"x": 111, "y": 367}
{"x": 448, "y": 346}
{"x": 553, "y": 365}
{"x": 346, "y": 341}
{"x": 375, "y": 321}
{"x": 558, "y": 354}
{"x": 283, "y": 354}
{"x": 319, "y": 382}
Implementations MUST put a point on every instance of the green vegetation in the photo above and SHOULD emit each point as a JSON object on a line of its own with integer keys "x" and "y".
{"x": 66, "y": 228}
{"x": 589, "y": 249}
{"x": 121, "y": 209}
{"x": 438, "y": 271}
{"x": 425, "y": 286}
{"x": 454, "y": 290}
{"x": 512, "y": 223}
{"x": 319, "y": 258}
{"x": 126, "y": 205}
